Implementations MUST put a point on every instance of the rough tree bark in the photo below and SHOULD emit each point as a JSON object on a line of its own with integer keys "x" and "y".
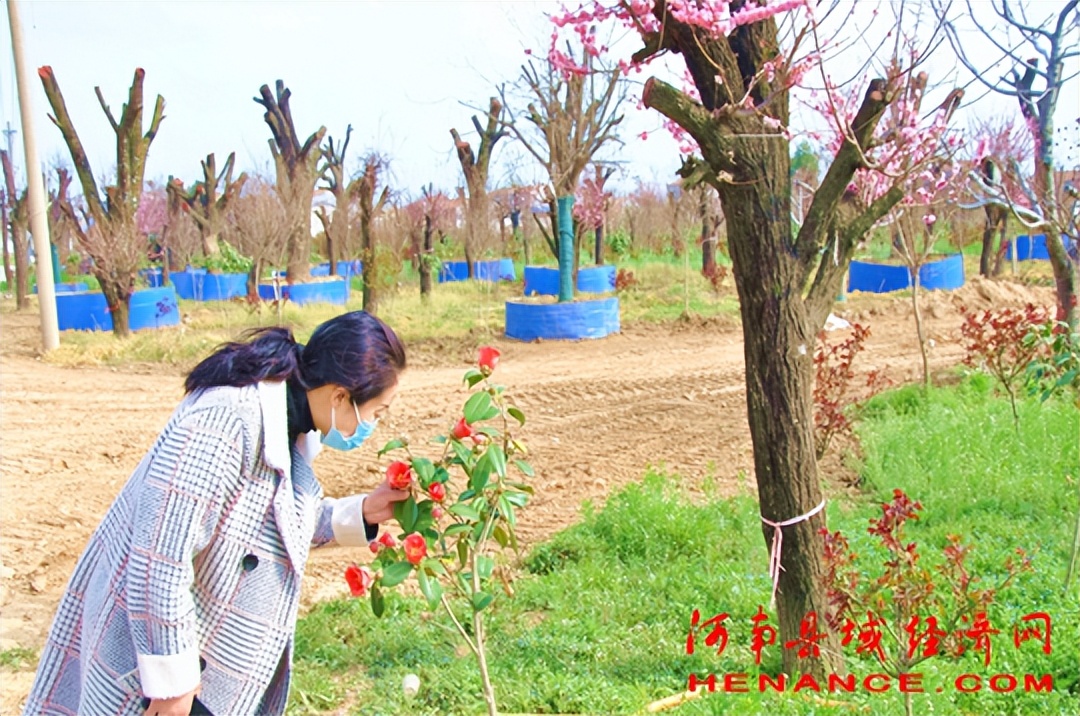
{"x": 369, "y": 209}
{"x": 206, "y": 205}
{"x": 18, "y": 215}
{"x": 708, "y": 235}
{"x": 297, "y": 171}
{"x": 113, "y": 240}
{"x": 785, "y": 289}
{"x": 475, "y": 167}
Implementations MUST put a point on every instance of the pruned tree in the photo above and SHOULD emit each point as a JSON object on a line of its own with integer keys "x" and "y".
{"x": 17, "y": 226}
{"x": 1037, "y": 43}
{"x": 259, "y": 224}
{"x": 425, "y": 217}
{"x": 736, "y": 114}
{"x": 337, "y": 226}
{"x": 475, "y": 166}
{"x": 207, "y": 200}
{"x": 108, "y": 232}
{"x": 60, "y": 230}
{"x": 1001, "y": 144}
{"x": 569, "y": 117}
{"x": 510, "y": 202}
{"x": 296, "y": 165}
{"x": 369, "y": 207}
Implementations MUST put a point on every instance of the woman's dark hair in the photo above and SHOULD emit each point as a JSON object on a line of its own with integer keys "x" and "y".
{"x": 354, "y": 350}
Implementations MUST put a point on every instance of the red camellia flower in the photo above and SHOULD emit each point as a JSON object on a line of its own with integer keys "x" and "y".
{"x": 436, "y": 512}
{"x": 374, "y": 546}
{"x": 359, "y": 579}
{"x": 387, "y": 540}
{"x": 415, "y": 548}
{"x": 488, "y": 359}
{"x": 463, "y": 430}
{"x": 399, "y": 475}
{"x": 437, "y": 491}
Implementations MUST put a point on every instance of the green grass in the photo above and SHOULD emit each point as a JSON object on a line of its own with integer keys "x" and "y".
{"x": 17, "y": 658}
{"x": 599, "y": 625}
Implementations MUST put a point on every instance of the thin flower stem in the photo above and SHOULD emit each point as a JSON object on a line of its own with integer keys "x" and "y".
{"x": 461, "y": 629}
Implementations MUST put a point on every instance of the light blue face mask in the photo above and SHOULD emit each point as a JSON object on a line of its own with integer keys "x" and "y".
{"x": 334, "y": 439}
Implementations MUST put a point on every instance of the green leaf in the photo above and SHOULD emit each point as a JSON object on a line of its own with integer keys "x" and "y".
{"x": 525, "y": 468}
{"x": 507, "y": 510}
{"x": 430, "y": 588}
{"x": 500, "y": 536}
{"x": 485, "y": 566}
{"x": 433, "y": 565}
{"x": 476, "y": 407}
{"x": 394, "y": 444}
{"x": 396, "y": 573}
{"x": 492, "y": 412}
{"x": 378, "y": 602}
{"x": 516, "y": 414}
{"x": 406, "y": 513}
{"x": 523, "y": 487}
{"x": 498, "y": 459}
{"x": 456, "y": 529}
{"x": 425, "y": 470}
{"x": 462, "y": 453}
{"x": 464, "y": 511}
{"x": 463, "y": 552}
{"x": 519, "y": 499}
{"x": 466, "y": 495}
{"x": 478, "y": 480}
{"x": 481, "y": 600}
{"x": 473, "y": 376}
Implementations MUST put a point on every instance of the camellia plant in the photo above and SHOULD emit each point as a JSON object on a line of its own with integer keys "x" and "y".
{"x": 460, "y": 516}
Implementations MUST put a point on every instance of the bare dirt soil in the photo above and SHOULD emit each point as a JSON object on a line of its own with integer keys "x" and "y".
{"x": 600, "y": 414}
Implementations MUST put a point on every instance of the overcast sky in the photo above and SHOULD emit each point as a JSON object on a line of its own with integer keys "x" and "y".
{"x": 397, "y": 71}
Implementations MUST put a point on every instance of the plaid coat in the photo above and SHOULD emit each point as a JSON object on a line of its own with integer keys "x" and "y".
{"x": 193, "y": 576}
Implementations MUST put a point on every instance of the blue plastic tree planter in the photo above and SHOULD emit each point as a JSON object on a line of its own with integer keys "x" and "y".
{"x": 946, "y": 274}
{"x": 570, "y": 320}
{"x": 544, "y": 280}
{"x": 88, "y": 311}
{"x": 335, "y": 291}
{"x": 494, "y": 270}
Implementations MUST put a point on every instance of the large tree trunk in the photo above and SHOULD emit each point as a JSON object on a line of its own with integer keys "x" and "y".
{"x": 8, "y": 277}
{"x": 996, "y": 220}
{"x": 1065, "y": 270}
{"x": 368, "y": 272}
{"x": 117, "y": 292}
{"x": 427, "y": 254}
{"x": 21, "y": 244}
{"x": 779, "y": 380}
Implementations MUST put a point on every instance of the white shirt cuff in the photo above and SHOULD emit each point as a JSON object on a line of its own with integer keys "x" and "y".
{"x": 347, "y": 521}
{"x": 170, "y": 675}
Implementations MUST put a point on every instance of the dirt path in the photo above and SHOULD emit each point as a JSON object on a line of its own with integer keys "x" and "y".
{"x": 600, "y": 413}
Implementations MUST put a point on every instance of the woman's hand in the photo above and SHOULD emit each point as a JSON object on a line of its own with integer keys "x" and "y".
{"x": 379, "y": 505}
{"x": 176, "y": 706}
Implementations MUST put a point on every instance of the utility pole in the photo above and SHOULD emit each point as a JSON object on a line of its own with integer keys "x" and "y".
{"x": 35, "y": 185}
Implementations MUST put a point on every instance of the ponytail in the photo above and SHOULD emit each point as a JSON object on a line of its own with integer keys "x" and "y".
{"x": 265, "y": 354}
